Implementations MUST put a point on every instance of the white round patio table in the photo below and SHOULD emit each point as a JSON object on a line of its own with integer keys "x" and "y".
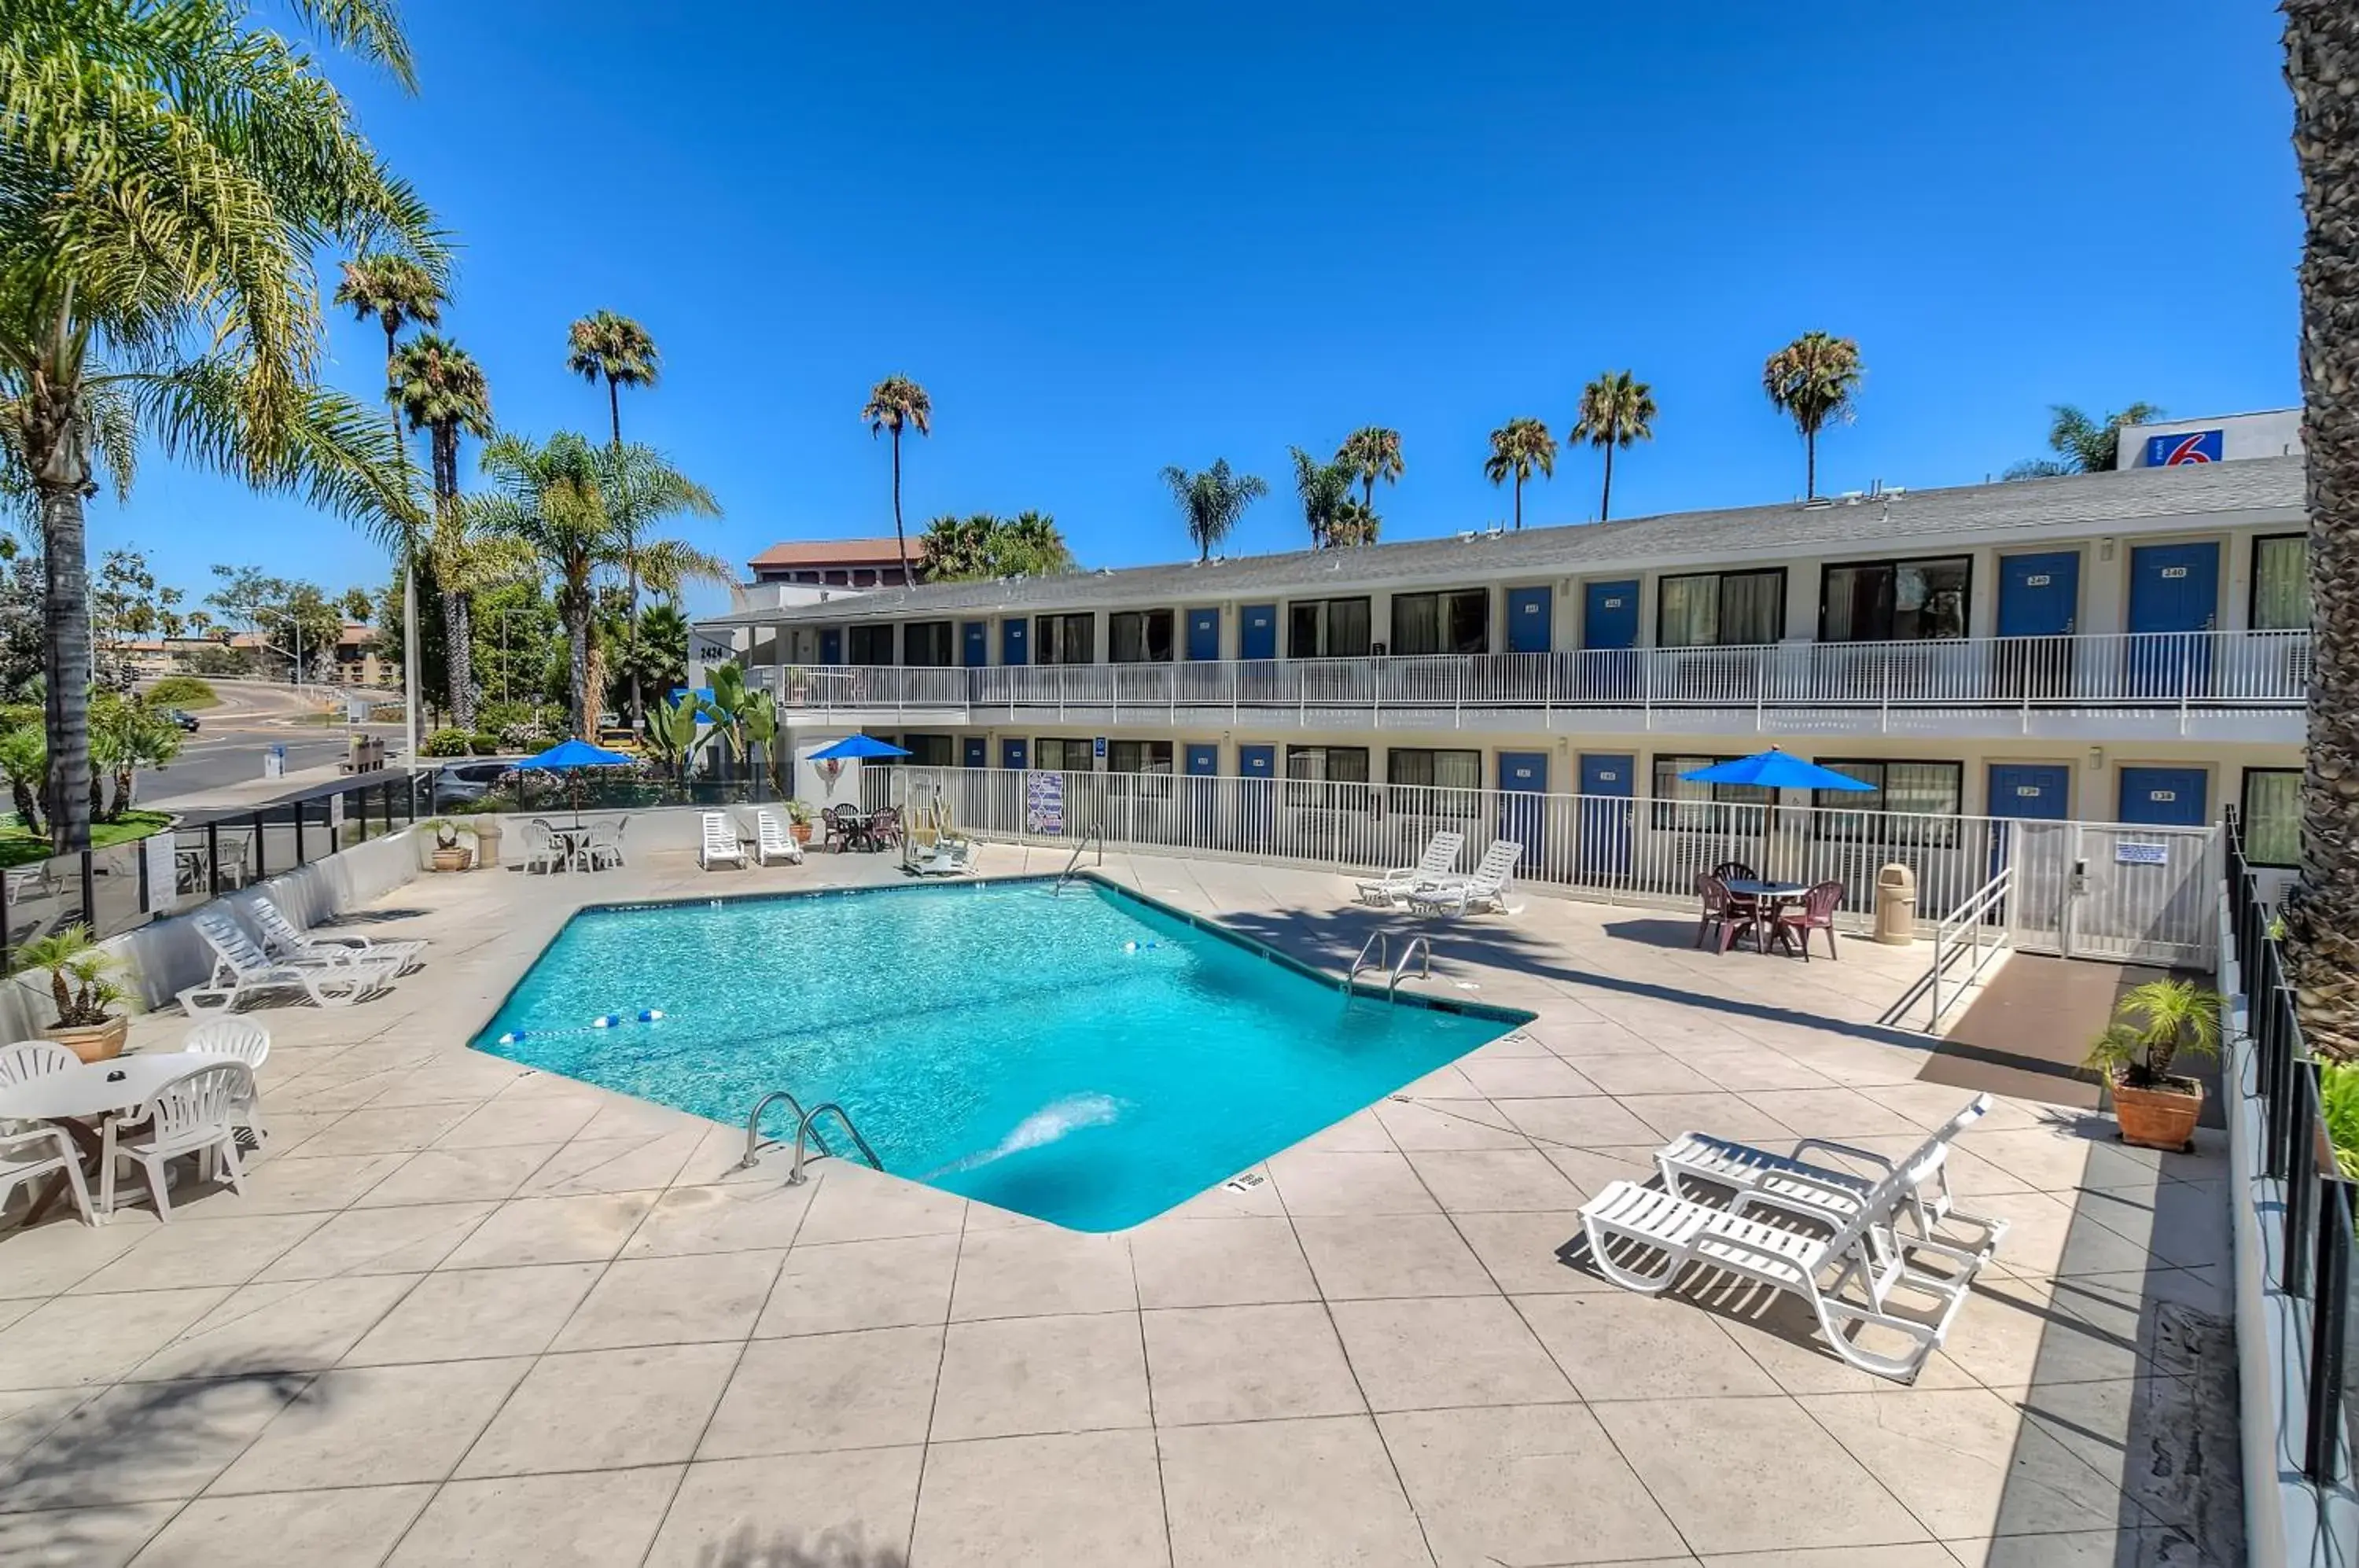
{"x": 94, "y": 1090}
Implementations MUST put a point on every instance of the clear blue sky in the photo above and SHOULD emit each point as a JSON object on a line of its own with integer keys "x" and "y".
{"x": 1110, "y": 237}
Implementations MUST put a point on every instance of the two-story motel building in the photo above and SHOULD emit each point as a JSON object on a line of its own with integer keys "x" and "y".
{"x": 2124, "y": 646}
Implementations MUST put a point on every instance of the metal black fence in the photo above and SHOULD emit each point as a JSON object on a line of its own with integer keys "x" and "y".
{"x": 2313, "y": 1262}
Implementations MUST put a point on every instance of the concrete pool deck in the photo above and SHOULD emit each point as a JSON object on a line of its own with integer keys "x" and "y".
{"x": 466, "y": 1312}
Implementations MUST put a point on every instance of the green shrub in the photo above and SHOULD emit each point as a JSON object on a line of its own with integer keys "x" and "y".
{"x": 448, "y": 743}
{"x": 2338, "y": 1100}
{"x": 484, "y": 743}
{"x": 183, "y": 692}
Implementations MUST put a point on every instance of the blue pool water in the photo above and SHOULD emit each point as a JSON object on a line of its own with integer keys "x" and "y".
{"x": 1090, "y": 1058}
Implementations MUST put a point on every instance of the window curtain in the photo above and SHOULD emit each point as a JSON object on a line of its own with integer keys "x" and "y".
{"x": 2281, "y": 584}
{"x": 1690, "y": 611}
{"x": 1752, "y": 608}
{"x": 1417, "y": 623}
{"x": 2273, "y": 817}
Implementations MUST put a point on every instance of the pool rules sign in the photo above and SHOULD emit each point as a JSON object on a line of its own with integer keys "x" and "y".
{"x": 1044, "y": 802}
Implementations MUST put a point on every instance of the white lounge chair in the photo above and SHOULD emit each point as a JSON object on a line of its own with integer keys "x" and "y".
{"x": 240, "y": 968}
{"x": 248, "y": 1043}
{"x": 1432, "y": 868}
{"x": 1484, "y": 889}
{"x": 946, "y": 857}
{"x": 720, "y": 844}
{"x": 771, "y": 837}
{"x": 282, "y": 939}
{"x": 1834, "y": 1194}
{"x": 29, "y": 1152}
{"x": 194, "y": 1114}
{"x": 1644, "y": 1238}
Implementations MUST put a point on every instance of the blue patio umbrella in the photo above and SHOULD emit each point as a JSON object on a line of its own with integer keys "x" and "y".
{"x": 1775, "y": 770}
{"x": 567, "y": 754}
{"x": 852, "y": 747}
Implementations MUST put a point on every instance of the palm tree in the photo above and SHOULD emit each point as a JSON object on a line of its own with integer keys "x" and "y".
{"x": 894, "y": 404}
{"x": 1375, "y": 452}
{"x": 2323, "y": 913}
{"x": 604, "y": 346}
{"x": 981, "y": 546}
{"x": 1517, "y": 447}
{"x": 2083, "y": 444}
{"x": 1354, "y": 524}
{"x": 578, "y": 508}
{"x": 1212, "y": 501}
{"x": 164, "y": 207}
{"x": 1032, "y": 546}
{"x": 1814, "y": 379}
{"x": 440, "y": 389}
{"x": 1616, "y": 410}
{"x": 1325, "y": 489}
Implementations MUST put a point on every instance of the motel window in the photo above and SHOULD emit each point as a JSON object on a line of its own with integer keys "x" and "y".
{"x": 1423, "y": 782}
{"x": 1327, "y": 628}
{"x": 1327, "y": 776}
{"x": 868, "y": 645}
{"x": 927, "y": 643}
{"x": 1051, "y": 754}
{"x": 1141, "y": 768}
{"x": 1065, "y": 639}
{"x": 2281, "y": 583}
{"x": 1905, "y": 803}
{"x": 929, "y": 750}
{"x": 2272, "y": 816}
{"x": 840, "y": 578}
{"x": 1895, "y": 601}
{"x": 1682, "y": 805}
{"x": 1442, "y": 623}
{"x": 1139, "y": 637}
{"x": 1721, "y": 609}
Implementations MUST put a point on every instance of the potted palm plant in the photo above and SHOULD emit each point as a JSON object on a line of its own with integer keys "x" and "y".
{"x": 2154, "y": 1024}
{"x": 84, "y": 989}
{"x": 447, "y": 854}
{"x": 799, "y": 820}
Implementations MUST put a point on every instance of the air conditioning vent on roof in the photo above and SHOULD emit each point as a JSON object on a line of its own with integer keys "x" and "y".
{"x": 1818, "y": 503}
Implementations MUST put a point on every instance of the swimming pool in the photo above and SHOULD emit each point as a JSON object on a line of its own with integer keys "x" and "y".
{"x": 1089, "y": 1057}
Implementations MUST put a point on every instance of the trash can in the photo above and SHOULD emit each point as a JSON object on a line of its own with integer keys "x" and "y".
{"x": 1896, "y": 906}
{"x": 274, "y": 762}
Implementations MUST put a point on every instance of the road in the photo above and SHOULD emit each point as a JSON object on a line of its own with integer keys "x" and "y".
{"x": 237, "y": 731}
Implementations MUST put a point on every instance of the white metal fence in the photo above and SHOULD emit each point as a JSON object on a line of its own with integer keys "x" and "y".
{"x": 2200, "y": 672}
{"x": 2075, "y": 887}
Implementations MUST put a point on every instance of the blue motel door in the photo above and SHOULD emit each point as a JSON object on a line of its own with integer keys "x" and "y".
{"x": 974, "y": 645}
{"x": 2038, "y": 609}
{"x": 1256, "y": 793}
{"x": 1011, "y": 754}
{"x": 2174, "y": 598}
{"x": 2025, "y": 792}
{"x": 831, "y": 645}
{"x": 1532, "y": 620}
{"x": 1202, "y": 760}
{"x": 977, "y": 753}
{"x": 1014, "y": 641}
{"x": 1258, "y": 631}
{"x": 1523, "y": 774}
{"x": 1607, "y": 784}
{"x": 1609, "y": 635}
{"x": 2166, "y": 797}
{"x": 1203, "y": 635}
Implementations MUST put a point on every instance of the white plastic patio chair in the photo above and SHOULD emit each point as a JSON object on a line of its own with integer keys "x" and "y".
{"x": 1752, "y": 1175}
{"x": 240, "y": 968}
{"x": 27, "y": 1153}
{"x": 946, "y": 857}
{"x": 720, "y": 844}
{"x": 1440, "y": 856}
{"x": 194, "y": 1114}
{"x": 541, "y": 850}
{"x": 247, "y": 1041}
{"x": 282, "y": 939}
{"x": 1644, "y": 1238}
{"x": 30, "y": 1058}
{"x": 602, "y": 845}
{"x": 771, "y": 837}
{"x": 1484, "y": 889}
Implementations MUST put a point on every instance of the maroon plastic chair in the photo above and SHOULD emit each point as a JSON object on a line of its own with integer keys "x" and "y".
{"x": 1815, "y": 912}
{"x": 1722, "y": 911}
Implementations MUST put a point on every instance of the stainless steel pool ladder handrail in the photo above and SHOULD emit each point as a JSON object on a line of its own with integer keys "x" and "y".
{"x": 1382, "y": 944}
{"x": 753, "y": 1128}
{"x": 1419, "y": 943}
{"x": 803, "y": 1127}
{"x": 1096, "y": 836}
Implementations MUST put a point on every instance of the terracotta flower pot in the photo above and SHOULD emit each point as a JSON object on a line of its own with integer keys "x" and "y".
{"x": 801, "y": 831}
{"x": 91, "y": 1042}
{"x": 455, "y": 859}
{"x": 2158, "y": 1119}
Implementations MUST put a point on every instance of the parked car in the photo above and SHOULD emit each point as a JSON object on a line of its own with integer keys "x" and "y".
{"x": 462, "y": 781}
{"x": 182, "y": 717}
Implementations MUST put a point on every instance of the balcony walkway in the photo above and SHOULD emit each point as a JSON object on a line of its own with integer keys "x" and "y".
{"x": 467, "y": 1310}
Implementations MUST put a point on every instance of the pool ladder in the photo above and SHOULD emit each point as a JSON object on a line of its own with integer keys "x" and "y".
{"x": 805, "y": 1132}
{"x": 1096, "y": 836}
{"x": 1420, "y": 947}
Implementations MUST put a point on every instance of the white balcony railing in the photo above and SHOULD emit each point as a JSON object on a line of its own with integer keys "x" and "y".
{"x": 2182, "y": 670}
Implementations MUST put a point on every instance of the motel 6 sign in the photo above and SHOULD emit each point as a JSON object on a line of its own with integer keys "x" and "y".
{"x": 2189, "y": 446}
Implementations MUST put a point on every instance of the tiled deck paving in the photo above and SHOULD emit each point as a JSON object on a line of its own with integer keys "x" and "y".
{"x": 467, "y": 1313}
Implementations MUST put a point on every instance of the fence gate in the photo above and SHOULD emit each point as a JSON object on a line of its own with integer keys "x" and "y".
{"x": 2128, "y": 894}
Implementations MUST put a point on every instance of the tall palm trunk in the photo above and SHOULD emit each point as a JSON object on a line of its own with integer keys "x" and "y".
{"x": 1519, "y": 503}
{"x": 413, "y": 677}
{"x": 458, "y": 605}
{"x": 1605, "y": 501}
{"x": 65, "y": 654}
{"x": 631, "y": 564}
{"x": 577, "y": 673}
{"x": 1810, "y": 465}
{"x": 900, "y": 535}
{"x": 2322, "y": 915}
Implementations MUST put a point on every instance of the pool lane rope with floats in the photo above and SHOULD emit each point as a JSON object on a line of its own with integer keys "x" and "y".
{"x": 602, "y": 1021}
